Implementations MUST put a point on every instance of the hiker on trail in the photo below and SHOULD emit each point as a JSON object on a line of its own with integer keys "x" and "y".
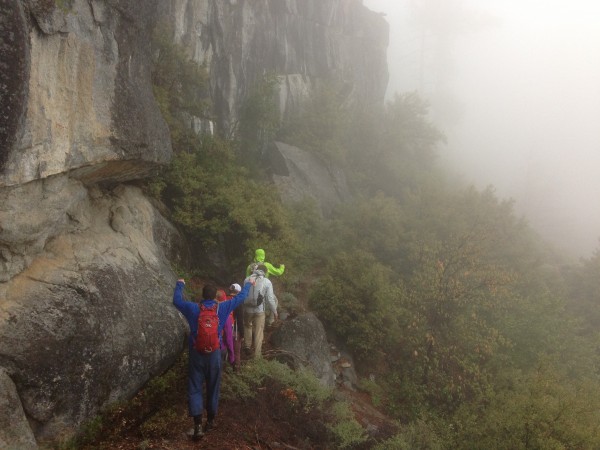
{"x": 206, "y": 319}
{"x": 260, "y": 294}
{"x": 227, "y": 336}
{"x": 259, "y": 258}
{"x": 238, "y": 327}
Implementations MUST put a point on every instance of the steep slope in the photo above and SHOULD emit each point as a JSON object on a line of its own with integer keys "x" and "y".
{"x": 85, "y": 258}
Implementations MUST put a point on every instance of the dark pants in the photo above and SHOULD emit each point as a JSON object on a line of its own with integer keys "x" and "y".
{"x": 204, "y": 369}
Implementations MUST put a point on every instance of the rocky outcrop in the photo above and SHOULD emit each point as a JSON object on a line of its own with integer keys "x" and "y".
{"x": 304, "y": 42}
{"x": 14, "y": 73}
{"x": 300, "y": 175}
{"x": 304, "y": 344}
{"x": 89, "y": 319}
{"x": 82, "y": 97}
{"x": 85, "y": 279}
{"x": 14, "y": 428}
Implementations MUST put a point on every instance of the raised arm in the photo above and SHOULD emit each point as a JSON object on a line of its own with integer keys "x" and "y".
{"x": 273, "y": 270}
{"x": 185, "y": 307}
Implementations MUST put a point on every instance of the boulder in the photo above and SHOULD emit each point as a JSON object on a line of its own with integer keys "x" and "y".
{"x": 81, "y": 96}
{"x": 299, "y": 175}
{"x": 303, "y": 343}
{"x": 89, "y": 320}
{"x": 15, "y": 431}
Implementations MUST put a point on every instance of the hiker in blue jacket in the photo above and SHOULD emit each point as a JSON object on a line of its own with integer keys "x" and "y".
{"x": 204, "y": 368}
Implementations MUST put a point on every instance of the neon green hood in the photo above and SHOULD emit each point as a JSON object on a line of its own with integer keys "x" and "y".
{"x": 259, "y": 255}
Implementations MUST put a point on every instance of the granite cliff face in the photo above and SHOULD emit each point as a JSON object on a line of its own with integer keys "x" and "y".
{"x": 85, "y": 275}
{"x": 304, "y": 42}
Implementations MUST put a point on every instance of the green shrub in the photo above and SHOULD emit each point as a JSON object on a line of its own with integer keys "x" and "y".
{"x": 289, "y": 302}
{"x": 376, "y": 392}
{"x": 346, "y": 430}
{"x": 359, "y": 300}
{"x": 303, "y": 382}
{"x": 418, "y": 435}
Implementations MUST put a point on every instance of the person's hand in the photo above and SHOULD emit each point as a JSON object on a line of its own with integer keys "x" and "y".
{"x": 182, "y": 280}
{"x": 252, "y": 280}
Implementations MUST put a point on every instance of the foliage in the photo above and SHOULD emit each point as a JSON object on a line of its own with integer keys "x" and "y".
{"x": 408, "y": 135}
{"x": 394, "y": 150}
{"x": 375, "y": 391}
{"x": 540, "y": 409}
{"x": 478, "y": 335}
{"x": 417, "y": 435}
{"x": 584, "y": 293}
{"x": 180, "y": 84}
{"x": 320, "y": 124}
{"x": 258, "y": 119}
{"x": 260, "y": 371}
{"x": 379, "y": 219}
{"x": 346, "y": 430}
{"x": 219, "y": 206}
{"x": 356, "y": 299}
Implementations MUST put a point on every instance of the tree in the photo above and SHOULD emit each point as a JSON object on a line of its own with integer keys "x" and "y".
{"x": 358, "y": 299}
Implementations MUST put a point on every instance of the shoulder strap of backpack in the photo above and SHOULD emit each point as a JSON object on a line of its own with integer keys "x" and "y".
{"x": 204, "y": 307}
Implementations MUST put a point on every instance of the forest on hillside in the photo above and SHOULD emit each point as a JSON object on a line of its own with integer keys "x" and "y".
{"x": 467, "y": 327}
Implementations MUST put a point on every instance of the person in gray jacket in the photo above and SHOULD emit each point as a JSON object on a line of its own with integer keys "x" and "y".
{"x": 260, "y": 294}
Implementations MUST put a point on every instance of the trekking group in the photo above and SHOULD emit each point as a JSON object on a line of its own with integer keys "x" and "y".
{"x": 219, "y": 325}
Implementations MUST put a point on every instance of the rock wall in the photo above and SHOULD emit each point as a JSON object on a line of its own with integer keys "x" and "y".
{"x": 300, "y": 175}
{"x": 304, "y": 42}
{"x": 85, "y": 275}
{"x": 85, "y": 91}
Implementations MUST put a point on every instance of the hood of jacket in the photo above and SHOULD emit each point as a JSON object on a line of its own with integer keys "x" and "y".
{"x": 259, "y": 255}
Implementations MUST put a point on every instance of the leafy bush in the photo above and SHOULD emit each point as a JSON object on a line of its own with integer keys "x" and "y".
{"x": 375, "y": 391}
{"x": 219, "y": 206}
{"x": 259, "y": 120}
{"x": 417, "y": 435}
{"x": 180, "y": 84}
{"x": 359, "y": 299}
{"x": 346, "y": 430}
{"x": 320, "y": 124}
{"x": 541, "y": 409}
{"x": 259, "y": 371}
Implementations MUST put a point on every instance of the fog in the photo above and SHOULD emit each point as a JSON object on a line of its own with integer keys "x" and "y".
{"x": 515, "y": 87}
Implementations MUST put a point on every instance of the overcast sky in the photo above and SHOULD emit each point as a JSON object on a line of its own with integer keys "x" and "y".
{"x": 515, "y": 86}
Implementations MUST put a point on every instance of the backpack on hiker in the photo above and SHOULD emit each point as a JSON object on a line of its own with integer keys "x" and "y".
{"x": 257, "y": 291}
{"x": 207, "y": 339}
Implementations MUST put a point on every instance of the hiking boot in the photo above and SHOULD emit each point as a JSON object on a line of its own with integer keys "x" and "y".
{"x": 196, "y": 433}
{"x": 209, "y": 425}
{"x": 247, "y": 351}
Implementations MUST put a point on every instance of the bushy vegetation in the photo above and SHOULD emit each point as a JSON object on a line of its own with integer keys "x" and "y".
{"x": 218, "y": 196}
{"x": 299, "y": 396}
{"x": 478, "y": 334}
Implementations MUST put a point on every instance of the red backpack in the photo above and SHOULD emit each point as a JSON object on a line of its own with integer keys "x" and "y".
{"x": 207, "y": 339}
